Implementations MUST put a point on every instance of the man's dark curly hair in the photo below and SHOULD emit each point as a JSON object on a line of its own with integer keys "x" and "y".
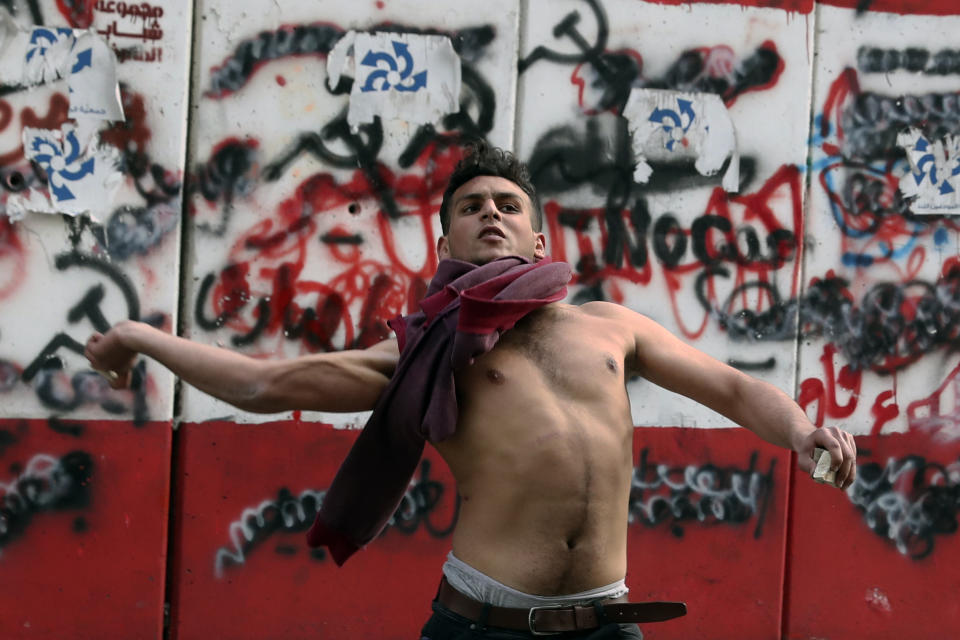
{"x": 483, "y": 159}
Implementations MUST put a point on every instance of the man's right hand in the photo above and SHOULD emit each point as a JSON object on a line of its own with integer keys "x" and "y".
{"x": 109, "y": 356}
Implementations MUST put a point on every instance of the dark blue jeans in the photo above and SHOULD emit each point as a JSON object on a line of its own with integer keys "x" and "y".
{"x": 447, "y": 625}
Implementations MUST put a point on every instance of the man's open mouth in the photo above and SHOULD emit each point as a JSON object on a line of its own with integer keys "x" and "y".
{"x": 491, "y": 231}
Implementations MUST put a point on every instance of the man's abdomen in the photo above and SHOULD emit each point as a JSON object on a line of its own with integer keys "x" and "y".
{"x": 544, "y": 478}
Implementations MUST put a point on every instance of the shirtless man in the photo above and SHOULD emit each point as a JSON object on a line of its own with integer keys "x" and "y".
{"x": 542, "y": 451}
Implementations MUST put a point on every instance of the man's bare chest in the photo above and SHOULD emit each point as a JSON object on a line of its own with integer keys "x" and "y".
{"x": 570, "y": 350}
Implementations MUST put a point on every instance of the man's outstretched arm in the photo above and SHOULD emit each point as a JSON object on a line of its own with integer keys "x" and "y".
{"x": 759, "y": 406}
{"x": 341, "y": 381}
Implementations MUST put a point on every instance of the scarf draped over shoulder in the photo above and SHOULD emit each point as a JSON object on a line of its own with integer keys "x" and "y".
{"x": 464, "y": 312}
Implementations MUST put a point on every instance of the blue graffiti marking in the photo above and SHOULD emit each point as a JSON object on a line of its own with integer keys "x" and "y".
{"x": 393, "y": 76}
{"x": 676, "y": 118}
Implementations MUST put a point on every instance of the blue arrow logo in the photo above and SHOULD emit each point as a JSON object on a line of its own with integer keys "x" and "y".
{"x": 71, "y": 171}
{"x": 670, "y": 119}
{"x": 419, "y": 82}
{"x": 394, "y": 75}
{"x": 84, "y": 59}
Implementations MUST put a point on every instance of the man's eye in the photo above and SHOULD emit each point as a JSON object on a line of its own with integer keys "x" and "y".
{"x": 509, "y": 207}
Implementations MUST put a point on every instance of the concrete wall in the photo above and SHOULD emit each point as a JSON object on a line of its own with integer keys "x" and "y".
{"x": 253, "y": 212}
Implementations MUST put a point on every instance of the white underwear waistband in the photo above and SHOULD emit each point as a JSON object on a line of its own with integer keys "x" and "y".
{"x": 483, "y": 588}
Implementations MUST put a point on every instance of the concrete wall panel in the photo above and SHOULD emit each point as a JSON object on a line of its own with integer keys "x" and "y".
{"x": 308, "y": 236}
{"x": 714, "y": 267}
{"x": 83, "y": 528}
{"x": 65, "y": 277}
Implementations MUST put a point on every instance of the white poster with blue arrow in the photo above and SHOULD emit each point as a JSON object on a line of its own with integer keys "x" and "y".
{"x": 674, "y": 127}
{"x": 85, "y": 61}
{"x": 933, "y": 176}
{"x": 403, "y": 76}
{"x": 81, "y": 179}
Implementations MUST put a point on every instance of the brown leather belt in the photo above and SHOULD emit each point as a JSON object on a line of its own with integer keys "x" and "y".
{"x": 553, "y": 619}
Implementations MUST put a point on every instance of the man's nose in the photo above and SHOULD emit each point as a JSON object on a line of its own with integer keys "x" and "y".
{"x": 490, "y": 209}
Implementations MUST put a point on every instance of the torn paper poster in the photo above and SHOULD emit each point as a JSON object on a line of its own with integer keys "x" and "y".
{"x": 81, "y": 179}
{"x": 671, "y": 126}
{"x": 87, "y": 62}
{"x": 49, "y": 55}
{"x": 934, "y": 177}
{"x": 28, "y": 200}
{"x": 94, "y": 91}
{"x": 402, "y": 76}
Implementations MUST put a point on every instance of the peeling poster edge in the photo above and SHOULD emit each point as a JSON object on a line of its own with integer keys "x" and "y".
{"x": 410, "y": 77}
{"x": 671, "y": 126}
{"x": 933, "y": 179}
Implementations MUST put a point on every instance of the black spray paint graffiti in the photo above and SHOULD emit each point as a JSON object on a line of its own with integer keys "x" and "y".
{"x": 618, "y": 72}
{"x": 337, "y": 144}
{"x": 910, "y": 501}
{"x": 46, "y": 484}
{"x": 136, "y": 230}
{"x": 286, "y": 513}
{"x": 249, "y": 55}
{"x": 705, "y": 494}
{"x": 291, "y": 514}
{"x": 871, "y": 122}
{"x": 87, "y": 386}
{"x": 601, "y": 159}
{"x": 230, "y": 172}
{"x": 33, "y": 6}
{"x": 913, "y": 59}
{"x": 9, "y": 375}
{"x": 9, "y": 437}
{"x": 894, "y": 325}
{"x": 473, "y": 120}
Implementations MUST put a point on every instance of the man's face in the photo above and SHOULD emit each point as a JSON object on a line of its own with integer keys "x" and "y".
{"x": 490, "y": 217}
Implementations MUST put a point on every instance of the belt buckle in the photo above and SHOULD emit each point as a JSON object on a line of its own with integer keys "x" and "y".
{"x": 531, "y": 622}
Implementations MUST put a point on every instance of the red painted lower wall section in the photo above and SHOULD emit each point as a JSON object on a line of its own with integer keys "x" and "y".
{"x": 708, "y": 523}
{"x": 717, "y": 520}
{"x": 246, "y": 496}
{"x": 879, "y": 561}
{"x": 711, "y": 533}
{"x": 83, "y": 528}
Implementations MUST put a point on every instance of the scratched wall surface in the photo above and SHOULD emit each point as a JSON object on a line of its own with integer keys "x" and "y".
{"x": 85, "y": 470}
{"x": 302, "y": 185}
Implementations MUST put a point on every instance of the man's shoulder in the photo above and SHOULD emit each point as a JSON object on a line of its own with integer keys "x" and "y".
{"x": 603, "y": 309}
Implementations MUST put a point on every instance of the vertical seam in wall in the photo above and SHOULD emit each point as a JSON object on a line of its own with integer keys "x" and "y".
{"x": 182, "y": 307}
{"x": 517, "y": 93}
{"x": 802, "y": 257}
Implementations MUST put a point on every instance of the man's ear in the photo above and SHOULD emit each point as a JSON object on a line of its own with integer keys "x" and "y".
{"x": 443, "y": 248}
{"x": 540, "y": 247}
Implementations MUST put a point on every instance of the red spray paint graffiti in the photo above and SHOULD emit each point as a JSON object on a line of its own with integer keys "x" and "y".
{"x": 262, "y": 288}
